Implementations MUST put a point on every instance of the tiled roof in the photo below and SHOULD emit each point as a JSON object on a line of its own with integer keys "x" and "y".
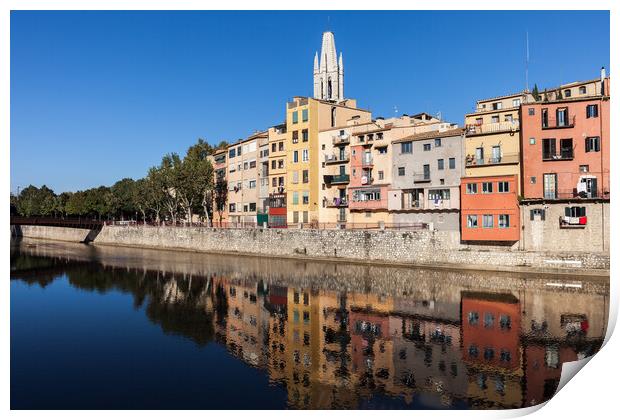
{"x": 431, "y": 135}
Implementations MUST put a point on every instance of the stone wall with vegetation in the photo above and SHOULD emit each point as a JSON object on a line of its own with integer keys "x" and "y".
{"x": 424, "y": 247}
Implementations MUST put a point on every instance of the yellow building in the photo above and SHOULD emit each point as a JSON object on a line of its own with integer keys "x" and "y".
{"x": 305, "y": 117}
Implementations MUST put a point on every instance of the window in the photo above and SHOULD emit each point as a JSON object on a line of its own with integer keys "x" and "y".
{"x": 566, "y": 148}
{"x": 532, "y": 140}
{"x": 508, "y": 118}
{"x": 550, "y": 182}
{"x": 436, "y": 195}
{"x": 382, "y": 150}
{"x": 532, "y": 180}
{"x": 440, "y": 164}
{"x": 252, "y": 164}
{"x": 516, "y": 102}
{"x": 231, "y": 168}
{"x": 544, "y": 118}
{"x": 379, "y": 136}
{"x": 305, "y": 199}
{"x": 427, "y": 147}
{"x": 567, "y": 93}
{"x": 304, "y": 176}
{"x": 295, "y": 137}
{"x": 252, "y": 206}
{"x": 295, "y": 156}
{"x": 304, "y": 115}
{"x": 548, "y": 148}
{"x": 582, "y": 90}
{"x": 487, "y": 187}
{"x": 360, "y": 139}
{"x": 504, "y": 322}
{"x": 575, "y": 211}
{"x": 591, "y": 111}
{"x": 452, "y": 163}
{"x": 495, "y": 119}
{"x": 252, "y": 184}
{"x": 232, "y": 208}
{"x": 295, "y": 117}
{"x": 487, "y": 221}
{"x": 273, "y": 147}
{"x": 295, "y": 197}
{"x": 503, "y": 221}
{"x": 489, "y": 353}
{"x": 273, "y": 164}
{"x": 304, "y": 135}
{"x": 401, "y": 171}
{"x": 380, "y": 175}
{"x": 537, "y": 214}
{"x": 489, "y": 320}
{"x": 281, "y": 146}
{"x": 473, "y": 318}
{"x": 427, "y": 171}
{"x": 245, "y": 208}
{"x": 593, "y": 144}
{"x": 472, "y": 188}
{"x": 245, "y": 165}
{"x": 333, "y": 111}
{"x": 473, "y": 351}
{"x": 405, "y": 147}
{"x": 531, "y": 111}
{"x": 503, "y": 187}
{"x": 437, "y": 142}
{"x": 584, "y": 168}
{"x": 497, "y": 105}
{"x": 562, "y": 117}
{"x": 280, "y": 163}
{"x": 274, "y": 182}
{"x": 295, "y": 177}
{"x": 304, "y": 155}
{"x": 472, "y": 221}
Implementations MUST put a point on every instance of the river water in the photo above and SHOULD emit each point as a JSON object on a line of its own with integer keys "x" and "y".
{"x": 96, "y": 327}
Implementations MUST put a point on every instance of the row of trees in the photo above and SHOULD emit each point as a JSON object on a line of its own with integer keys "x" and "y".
{"x": 178, "y": 189}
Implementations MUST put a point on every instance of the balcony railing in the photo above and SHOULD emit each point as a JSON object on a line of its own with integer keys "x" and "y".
{"x": 336, "y": 179}
{"x": 564, "y": 155}
{"x": 340, "y": 139}
{"x": 425, "y": 177}
{"x": 493, "y": 160}
{"x": 566, "y": 194}
{"x": 497, "y": 127}
{"x": 552, "y": 123}
{"x": 336, "y": 202}
{"x": 339, "y": 158}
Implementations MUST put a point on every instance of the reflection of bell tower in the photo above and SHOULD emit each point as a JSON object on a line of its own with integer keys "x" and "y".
{"x": 328, "y": 71}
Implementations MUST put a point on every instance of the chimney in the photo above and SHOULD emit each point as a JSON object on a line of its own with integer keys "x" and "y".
{"x": 603, "y": 76}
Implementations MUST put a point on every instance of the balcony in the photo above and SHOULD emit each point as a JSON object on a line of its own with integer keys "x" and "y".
{"x": 564, "y": 155}
{"x": 334, "y": 159}
{"x": 497, "y": 127}
{"x": 420, "y": 178}
{"x": 573, "y": 193}
{"x": 336, "y": 179}
{"x": 341, "y": 140}
{"x": 506, "y": 158}
{"x": 336, "y": 202}
{"x": 553, "y": 123}
{"x": 367, "y": 161}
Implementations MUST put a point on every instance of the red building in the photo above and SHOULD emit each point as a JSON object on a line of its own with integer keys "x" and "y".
{"x": 277, "y": 210}
{"x": 565, "y": 145}
{"x": 490, "y": 209}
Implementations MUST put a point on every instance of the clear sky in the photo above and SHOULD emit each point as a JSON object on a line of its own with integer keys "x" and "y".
{"x": 99, "y": 96}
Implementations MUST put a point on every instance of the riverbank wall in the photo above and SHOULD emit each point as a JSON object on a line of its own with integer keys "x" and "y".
{"x": 415, "y": 248}
{"x": 55, "y": 233}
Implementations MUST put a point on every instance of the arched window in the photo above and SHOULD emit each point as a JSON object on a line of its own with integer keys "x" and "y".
{"x": 333, "y": 116}
{"x": 322, "y": 91}
{"x": 329, "y": 88}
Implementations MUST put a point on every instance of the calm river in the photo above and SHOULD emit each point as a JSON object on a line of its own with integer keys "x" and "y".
{"x": 96, "y": 327}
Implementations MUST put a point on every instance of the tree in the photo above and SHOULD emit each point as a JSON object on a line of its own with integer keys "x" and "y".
{"x": 197, "y": 183}
{"x": 559, "y": 94}
{"x": 535, "y": 93}
{"x": 122, "y": 204}
{"x": 33, "y": 201}
{"x": 139, "y": 196}
{"x": 220, "y": 196}
{"x": 169, "y": 171}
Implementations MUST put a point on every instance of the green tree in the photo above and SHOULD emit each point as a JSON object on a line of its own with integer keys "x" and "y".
{"x": 220, "y": 196}
{"x": 122, "y": 203}
{"x": 535, "y": 93}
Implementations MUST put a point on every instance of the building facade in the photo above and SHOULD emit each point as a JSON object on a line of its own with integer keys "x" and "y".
{"x": 277, "y": 176}
{"x": 427, "y": 170}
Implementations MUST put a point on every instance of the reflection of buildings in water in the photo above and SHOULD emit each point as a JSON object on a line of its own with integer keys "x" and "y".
{"x": 491, "y": 347}
{"x": 558, "y": 327}
{"x": 338, "y": 348}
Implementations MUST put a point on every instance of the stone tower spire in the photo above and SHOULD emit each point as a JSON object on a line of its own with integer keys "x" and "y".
{"x": 329, "y": 73}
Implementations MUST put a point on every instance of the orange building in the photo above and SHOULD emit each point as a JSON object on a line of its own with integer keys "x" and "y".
{"x": 490, "y": 209}
{"x": 565, "y": 146}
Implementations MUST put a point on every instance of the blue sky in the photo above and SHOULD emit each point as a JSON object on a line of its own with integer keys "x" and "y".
{"x": 98, "y": 96}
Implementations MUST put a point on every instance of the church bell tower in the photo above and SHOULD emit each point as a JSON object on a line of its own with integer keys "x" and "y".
{"x": 328, "y": 71}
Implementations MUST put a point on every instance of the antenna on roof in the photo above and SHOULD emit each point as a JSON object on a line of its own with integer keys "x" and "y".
{"x": 527, "y": 60}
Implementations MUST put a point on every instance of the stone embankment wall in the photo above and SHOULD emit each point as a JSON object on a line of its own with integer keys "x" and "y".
{"x": 55, "y": 233}
{"x": 424, "y": 247}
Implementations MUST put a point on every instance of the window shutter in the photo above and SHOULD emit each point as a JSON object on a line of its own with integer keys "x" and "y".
{"x": 587, "y": 144}
{"x": 598, "y": 144}
{"x": 542, "y": 214}
{"x": 567, "y": 211}
{"x": 531, "y": 214}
